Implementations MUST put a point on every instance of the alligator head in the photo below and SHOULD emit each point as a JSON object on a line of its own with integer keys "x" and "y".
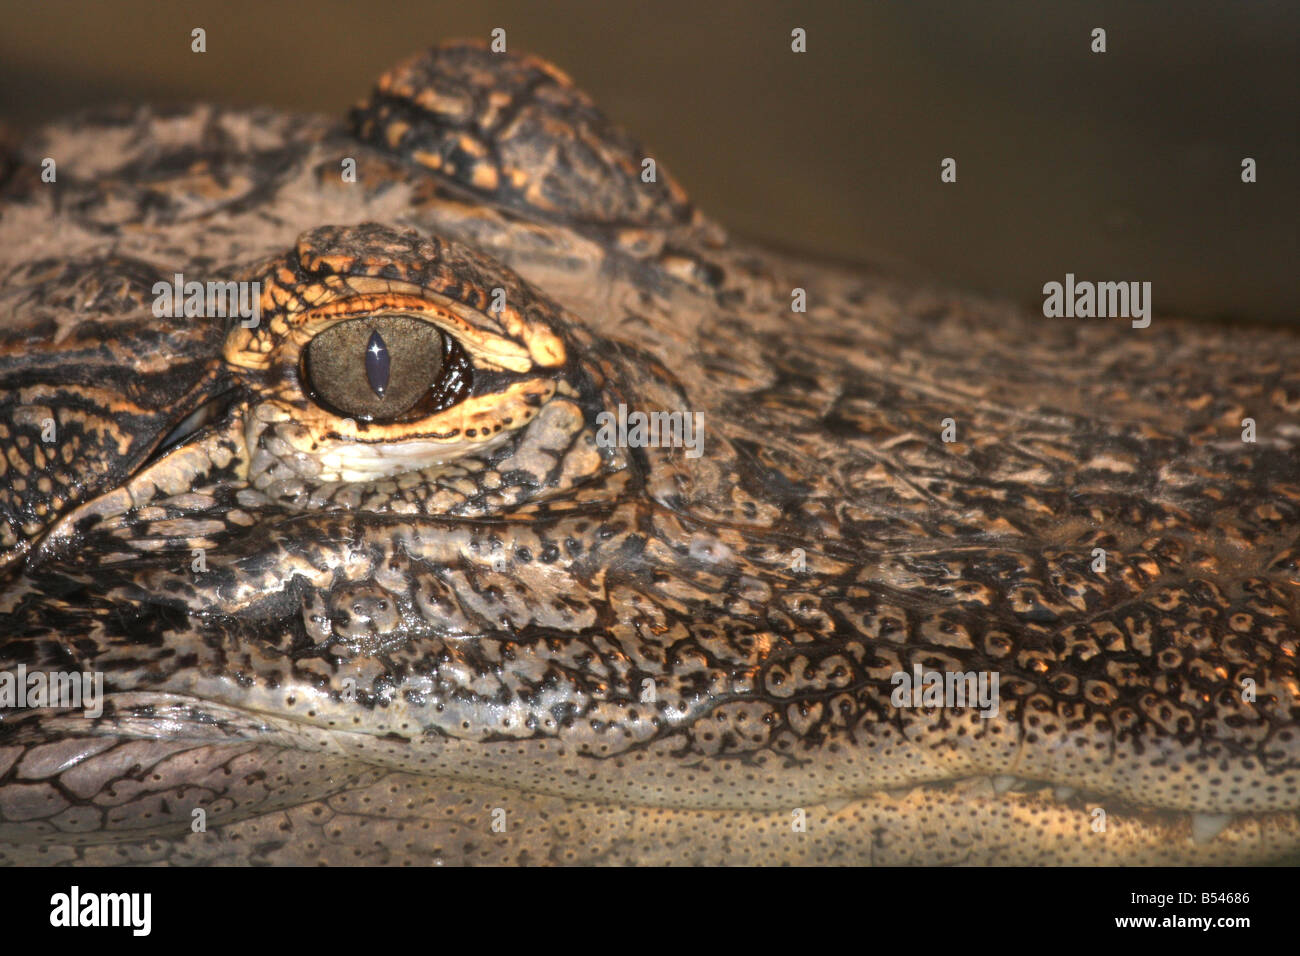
{"x": 522, "y": 514}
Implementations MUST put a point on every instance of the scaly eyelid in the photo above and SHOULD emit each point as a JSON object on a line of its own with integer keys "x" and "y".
{"x": 487, "y": 349}
{"x": 258, "y": 349}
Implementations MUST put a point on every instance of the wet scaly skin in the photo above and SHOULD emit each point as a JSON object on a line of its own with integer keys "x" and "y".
{"x": 638, "y": 655}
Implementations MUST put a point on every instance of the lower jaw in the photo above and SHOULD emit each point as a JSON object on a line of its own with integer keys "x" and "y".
{"x": 397, "y": 818}
{"x": 1003, "y": 821}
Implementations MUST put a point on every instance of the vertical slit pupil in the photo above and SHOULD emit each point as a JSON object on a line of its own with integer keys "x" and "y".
{"x": 377, "y": 363}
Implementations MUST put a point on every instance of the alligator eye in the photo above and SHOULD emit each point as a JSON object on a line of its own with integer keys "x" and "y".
{"x": 382, "y": 367}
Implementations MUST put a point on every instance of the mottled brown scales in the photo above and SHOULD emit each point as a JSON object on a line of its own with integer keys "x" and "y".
{"x": 642, "y": 656}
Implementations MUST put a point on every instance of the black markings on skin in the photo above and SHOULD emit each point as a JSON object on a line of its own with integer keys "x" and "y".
{"x": 777, "y": 683}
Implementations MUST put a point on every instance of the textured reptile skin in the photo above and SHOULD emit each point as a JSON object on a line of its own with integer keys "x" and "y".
{"x": 636, "y": 654}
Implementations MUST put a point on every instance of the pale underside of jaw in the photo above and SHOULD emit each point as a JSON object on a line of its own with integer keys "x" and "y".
{"x": 1005, "y": 818}
{"x": 1199, "y": 827}
{"x": 974, "y": 820}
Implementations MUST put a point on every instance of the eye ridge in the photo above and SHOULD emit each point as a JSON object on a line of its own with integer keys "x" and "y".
{"x": 353, "y": 367}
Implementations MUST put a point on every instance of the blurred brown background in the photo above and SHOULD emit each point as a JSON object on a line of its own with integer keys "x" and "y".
{"x": 1122, "y": 166}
